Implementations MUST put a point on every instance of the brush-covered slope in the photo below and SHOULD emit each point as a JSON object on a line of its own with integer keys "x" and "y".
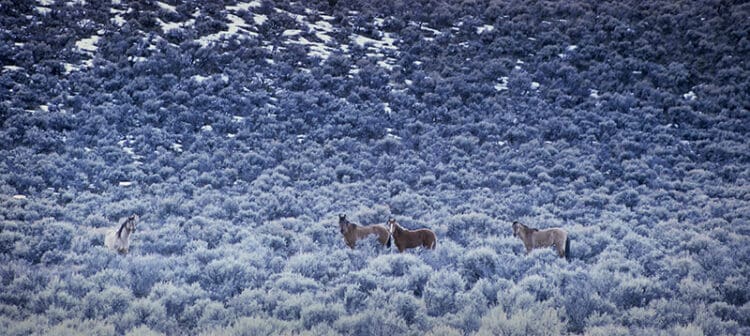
{"x": 238, "y": 131}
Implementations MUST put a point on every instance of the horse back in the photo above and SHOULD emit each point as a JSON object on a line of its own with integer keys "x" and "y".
{"x": 377, "y": 230}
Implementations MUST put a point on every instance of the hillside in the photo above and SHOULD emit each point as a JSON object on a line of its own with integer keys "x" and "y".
{"x": 238, "y": 131}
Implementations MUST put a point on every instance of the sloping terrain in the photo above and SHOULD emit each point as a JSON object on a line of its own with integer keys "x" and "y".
{"x": 239, "y": 131}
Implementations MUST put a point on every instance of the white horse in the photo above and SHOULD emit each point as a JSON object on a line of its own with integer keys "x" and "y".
{"x": 118, "y": 239}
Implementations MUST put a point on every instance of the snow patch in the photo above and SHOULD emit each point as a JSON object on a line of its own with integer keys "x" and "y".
{"x": 167, "y": 26}
{"x": 259, "y": 19}
{"x": 88, "y": 44}
{"x": 387, "y": 109}
{"x": 594, "y": 93}
{"x": 166, "y": 7}
{"x": 236, "y": 26}
{"x": 485, "y": 29}
{"x": 42, "y": 10}
{"x": 503, "y": 85}
{"x": 690, "y": 96}
{"x": 291, "y": 32}
{"x": 12, "y": 68}
{"x": 245, "y": 5}
{"x": 118, "y": 19}
{"x": 379, "y": 48}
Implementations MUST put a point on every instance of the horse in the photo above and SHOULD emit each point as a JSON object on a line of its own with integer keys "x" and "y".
{"x": 353, "y": 232}
{"x": 118, "y": 239}
{"x": 405, "y": 239}
{"x": 535, "y": 238}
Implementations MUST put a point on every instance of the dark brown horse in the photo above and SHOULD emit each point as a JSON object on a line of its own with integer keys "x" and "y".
{"x": 534, "y": 238}
{"x": 353, "y": 232}
{"x": 405, "y": 239}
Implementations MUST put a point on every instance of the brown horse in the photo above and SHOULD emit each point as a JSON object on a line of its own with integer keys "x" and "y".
{"x": 534, "y": 238}
{"x": 353, "y": 232}
{"x": 405, "y": 239}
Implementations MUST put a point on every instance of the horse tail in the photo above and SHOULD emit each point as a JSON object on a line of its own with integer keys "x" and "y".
{"x": 388, "y": 243}
{"x": 567, "y": 248}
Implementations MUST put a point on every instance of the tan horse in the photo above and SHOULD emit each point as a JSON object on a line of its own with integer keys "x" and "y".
{"x": 405, "y": 239}
{"x": 535, "y": 238}
{"x": 118, "y": 239}
{"x": 353, "y": 232}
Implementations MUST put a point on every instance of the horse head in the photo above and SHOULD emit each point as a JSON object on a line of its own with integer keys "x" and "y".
{"x": 131, "y": 222}
{"x": 343, "y": 224}
{"x": 517, "y": 229}
{"x": 391, "y": 225}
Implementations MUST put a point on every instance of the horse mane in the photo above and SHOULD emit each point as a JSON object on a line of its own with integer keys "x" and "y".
{"x": 399, "y": 228}
{"x": 122, "y": 226}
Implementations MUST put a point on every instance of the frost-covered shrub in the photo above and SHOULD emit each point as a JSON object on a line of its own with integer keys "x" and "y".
{"x": 318, "y": 313}
{"x": 377, "y": 214}
{"x": 440, "y": 293}
{"x": 462, "y": 228}
{"x": 693, "y": 290}
{"x": 735, "y": 291}
{"x": 321, "y": 267}
{"x": 147, "y": 314}
{"x": 144, "y": 331}
{"x": 400, "y": 272}
{"x": 293, "y": 283}
{"x": 408, "y": 307}
{"x": 628, "y": 197}
{"x": 541, "y": 288}
{"x": 478, "y": 264}
{"x": 145, "y": 272}
{"x": 443, "y": 330}
{"x": 538, "y": 320}
{"x": 608, "y": 330}
{"x": 110, "y": 301}
{"x": 256, "y": 326}
{"x": 176, "y": 298}
{"x": 371, "y": 323}
{"x": 408, "y": 203}
{"x": 83, "y": 327}
{"x": 214, "y": 314}
{"x": 581, "y": 301}
{"x": 41, "y": 237}
{"x": 225, "y": 278}
{"x": 588, "y": 244}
